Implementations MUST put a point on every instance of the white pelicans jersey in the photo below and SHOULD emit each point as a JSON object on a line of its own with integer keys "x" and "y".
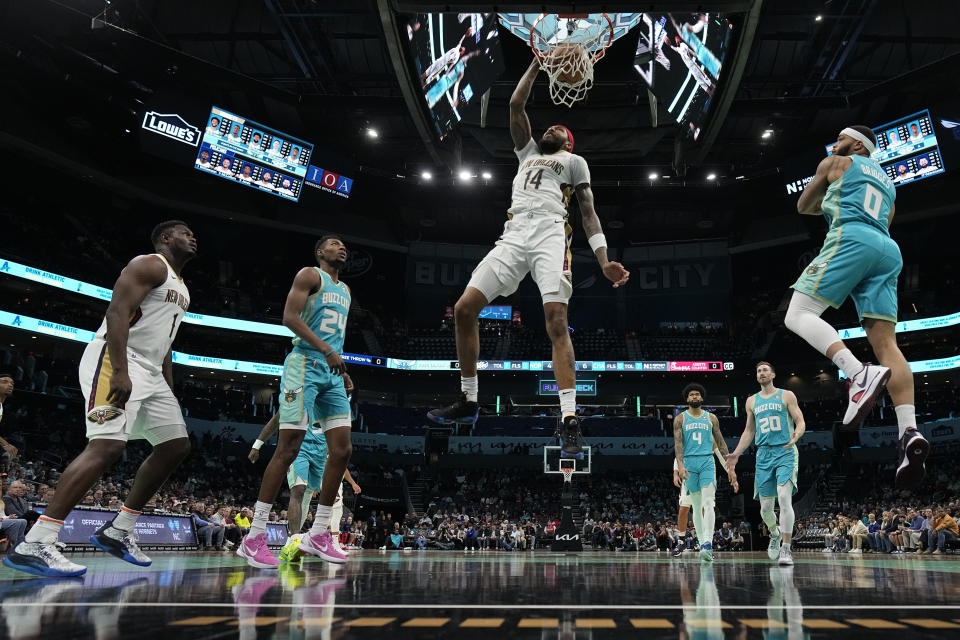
{"x": 545, "y": 183}
{"x": 154, "y": 324}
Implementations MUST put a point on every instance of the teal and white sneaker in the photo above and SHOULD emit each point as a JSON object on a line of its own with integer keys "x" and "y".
{"x": 786, "y": 556}
{"x": 706, "y": 552}
{"x": 773, "y": 549}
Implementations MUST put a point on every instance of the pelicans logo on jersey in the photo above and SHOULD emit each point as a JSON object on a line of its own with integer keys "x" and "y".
{"x": 101, "y": 415}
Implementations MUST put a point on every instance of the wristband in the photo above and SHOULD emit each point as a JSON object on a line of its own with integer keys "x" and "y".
{"x": 597, "y": 241}
{"x": 257, "y": 444}
{"x": 327, "y": 354}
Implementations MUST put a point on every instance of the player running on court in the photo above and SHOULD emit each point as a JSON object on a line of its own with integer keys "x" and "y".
{"x": 311, "y": 390}
{"x": 535, "y": 240}
{"x": 126, "y": 376}
{"x": 859, "y": 260}
{"x": 686, "y": 502}
{"x": 304, "y": 478}
{"x": 694, "y": 433}
{"x": 775, "y": 423}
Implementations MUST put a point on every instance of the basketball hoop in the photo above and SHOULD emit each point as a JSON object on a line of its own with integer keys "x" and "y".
{"x": 567, "y": 474}
{"x": 568, "y": 46}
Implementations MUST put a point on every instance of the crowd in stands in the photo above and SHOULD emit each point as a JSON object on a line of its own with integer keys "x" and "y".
{"x": 868, "y": 515}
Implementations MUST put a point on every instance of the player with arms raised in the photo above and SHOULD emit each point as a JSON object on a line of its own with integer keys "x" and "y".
{"x": 535, "y": 239}
{"x": 859, "y": 259}
{"x": 775, "y": 422}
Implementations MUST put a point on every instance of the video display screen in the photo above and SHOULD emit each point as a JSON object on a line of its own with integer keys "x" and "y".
{"x": 457, "y": 57}
{"x": 907, "y": 148}
{"x": 241, "y": 150}
{"x": 680, "y": 57}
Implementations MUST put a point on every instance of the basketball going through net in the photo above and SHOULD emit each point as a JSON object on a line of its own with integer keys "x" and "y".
{"x": 567, "y": 474}
{"x": 568, "y": 47}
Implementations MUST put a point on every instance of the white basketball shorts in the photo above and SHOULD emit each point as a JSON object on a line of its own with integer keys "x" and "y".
{"x": 152, "y": 413}
{"x": 538, "y": 244}
{"x": 685, "y": 500}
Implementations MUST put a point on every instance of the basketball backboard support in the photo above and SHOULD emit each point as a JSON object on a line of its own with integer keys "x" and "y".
{"x": 519, "y": 24}
{"x": 553, "y": 463}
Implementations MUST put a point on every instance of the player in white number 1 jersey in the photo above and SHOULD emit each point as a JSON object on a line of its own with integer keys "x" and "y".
{"x": 535, "y": 240}
{"x": 126, "y": 375}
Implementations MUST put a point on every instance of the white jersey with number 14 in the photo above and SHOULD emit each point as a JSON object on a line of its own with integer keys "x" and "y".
{"x": 544, "y": 182}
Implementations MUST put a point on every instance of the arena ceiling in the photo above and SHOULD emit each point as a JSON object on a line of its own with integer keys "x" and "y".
{"x": 325, "y": 69}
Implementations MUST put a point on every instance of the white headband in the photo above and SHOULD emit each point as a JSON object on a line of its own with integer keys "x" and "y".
{"x": 856, "y": 135}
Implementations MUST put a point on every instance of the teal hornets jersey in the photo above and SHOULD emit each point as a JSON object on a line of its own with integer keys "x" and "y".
{"x": 326, "y": 313}
{"x": 863, "y": 193}
{"x": 697, "y": 435}
{"x": 774, "y": 424}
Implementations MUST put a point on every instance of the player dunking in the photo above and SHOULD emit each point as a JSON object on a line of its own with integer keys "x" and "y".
{"x": 304, "y": 477}
{"x": 775, "y": 421}
{"x": 312, "y": 390}
{"x": 694, "y": 433}
{"x": 859, "y": 260}
{"x": 126, "y": 375}
{"x": 686, "y": 502}
{"x": 536, "y": 239}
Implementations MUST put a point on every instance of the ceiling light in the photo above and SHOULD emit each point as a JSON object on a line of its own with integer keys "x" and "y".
{"x": 819, "y": 18}
{"x": 767, "y": 134}
{"x": 487, "y": 175}
{"x": 653, "y": 176}
{"x": 712, "y": 176}
{"x": 426, "y": 175}
{"x": 464, "y": 175}
{"x": 373, "y": 133}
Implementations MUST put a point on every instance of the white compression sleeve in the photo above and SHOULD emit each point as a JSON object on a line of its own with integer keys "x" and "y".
{"x": 697, "y": 511}
{"x": 785, "y": 500}
{"x": 336, "y": 512}
{"x": 767, "y": 513}
{"x": 803, "y": 318}
{"x": 709, "y": 512}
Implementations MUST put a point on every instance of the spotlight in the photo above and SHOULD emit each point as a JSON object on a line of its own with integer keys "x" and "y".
{"x": 712, "y": 176}
{"x": 652, "y": 176}
{"x": 426, "y": 175}
{"x": 819, "y": 18}
{"x": 486, "y": 175}
{"x": 464, "y": 175}
{"x": 373, "y": 133}
{"x": 767, "y": 134}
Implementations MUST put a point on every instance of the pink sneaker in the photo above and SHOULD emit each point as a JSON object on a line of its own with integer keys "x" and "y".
{"x": 256, "y": 552}
{"x": 322, "y": 546}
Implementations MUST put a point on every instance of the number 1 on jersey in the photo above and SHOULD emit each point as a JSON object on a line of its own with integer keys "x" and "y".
{"x": 533, "y": 179}
{"x": 173, "y": 324}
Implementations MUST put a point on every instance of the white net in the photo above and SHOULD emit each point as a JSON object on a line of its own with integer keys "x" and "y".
{"x": 567, "y": 474}
{"x": 569, "y": 54}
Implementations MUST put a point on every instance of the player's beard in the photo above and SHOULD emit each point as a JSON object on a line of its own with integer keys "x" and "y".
{"x": 548, "y": 146}
{"x": 695, "y": 404}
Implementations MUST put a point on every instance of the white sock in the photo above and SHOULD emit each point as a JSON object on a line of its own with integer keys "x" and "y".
{"x": 906, "y": 417}
{"x": 847, "y": 362}
{"x": 126, "y": 518}
{"x": 45, "y": 530}
{"x": 470, "y": 386}
{"x": 568, "y": 402}
{"x": 261, "y": 511}
{"x": 321, "y": 519}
